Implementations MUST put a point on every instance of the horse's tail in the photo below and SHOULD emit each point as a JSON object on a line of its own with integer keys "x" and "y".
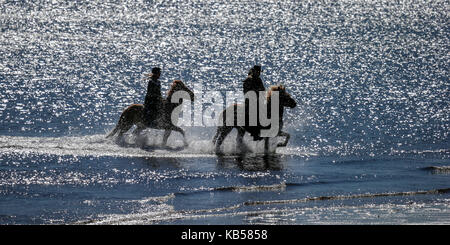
{"x": 113, "y": 132}
{"x": 223, "y": 121}
{"x": 127, "y": 119}
{"x": 117, "y": 128}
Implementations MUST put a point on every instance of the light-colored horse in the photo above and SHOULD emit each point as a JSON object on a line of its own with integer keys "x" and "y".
{"x": 134, "y": 115}
{"x": 285, "y": 100}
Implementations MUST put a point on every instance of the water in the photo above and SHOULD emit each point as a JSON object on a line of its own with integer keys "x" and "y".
{"x": 369, "y": 137}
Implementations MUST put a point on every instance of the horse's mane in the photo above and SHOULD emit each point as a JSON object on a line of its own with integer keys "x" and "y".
{"x": 173, "y": 86}
{"x": 272, "y": 88}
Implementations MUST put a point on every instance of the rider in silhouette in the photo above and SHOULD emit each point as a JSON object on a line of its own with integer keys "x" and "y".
{"x": 153, "y": 98}
{"x": 253, "y": 83}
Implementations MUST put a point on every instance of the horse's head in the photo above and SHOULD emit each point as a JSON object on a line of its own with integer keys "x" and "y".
{"x": 178, "y": 85}
{"x": 284, "y": 97}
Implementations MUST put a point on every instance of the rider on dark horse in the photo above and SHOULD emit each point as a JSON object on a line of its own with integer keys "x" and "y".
{"x": 253, "y": 83}
{"x": 153, "y": 98}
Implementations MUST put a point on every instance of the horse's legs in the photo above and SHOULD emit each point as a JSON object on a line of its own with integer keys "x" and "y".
{"x": 266, "y": 145}
{"x": 222, "y": 132}
{"x": 178, "y": 129}
{"x": 214, "y": 140}
{"x": 239, "y": 139}
{"x": 288, "y": 136}
{"x": 167, "y": 133}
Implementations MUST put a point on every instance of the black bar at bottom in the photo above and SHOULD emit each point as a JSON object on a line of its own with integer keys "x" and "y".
{"x": 217, "y": 234}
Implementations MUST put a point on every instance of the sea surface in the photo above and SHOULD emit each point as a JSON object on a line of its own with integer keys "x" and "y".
{"x": 369, "y": 136}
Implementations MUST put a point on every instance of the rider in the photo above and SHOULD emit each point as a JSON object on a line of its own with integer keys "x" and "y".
{"x": 153, "y": 98}
{"x": 253, "y": 83}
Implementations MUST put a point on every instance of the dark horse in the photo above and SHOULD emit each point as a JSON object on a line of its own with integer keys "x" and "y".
{"x": 134, "y": 115}
{"x": 285, "y": 100}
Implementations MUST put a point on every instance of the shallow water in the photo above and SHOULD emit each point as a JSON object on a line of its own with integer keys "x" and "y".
{"x": 369, "y": 137}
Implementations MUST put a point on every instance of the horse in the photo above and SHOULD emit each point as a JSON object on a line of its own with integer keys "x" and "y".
{"x": 134, "y": 115}
{"x": 285, "y": 100}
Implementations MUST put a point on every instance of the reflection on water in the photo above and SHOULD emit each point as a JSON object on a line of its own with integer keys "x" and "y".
{"x": 172, "y": 163}
{"x": 252, "y": 162}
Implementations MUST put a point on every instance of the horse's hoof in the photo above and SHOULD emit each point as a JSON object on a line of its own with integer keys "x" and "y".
{"x": 218, "y": 151}
{"x": 243, "y": 148}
